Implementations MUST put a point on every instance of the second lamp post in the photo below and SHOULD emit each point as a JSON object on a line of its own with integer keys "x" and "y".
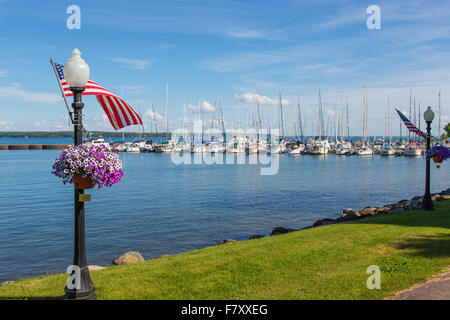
{"x": 427, "y": 203}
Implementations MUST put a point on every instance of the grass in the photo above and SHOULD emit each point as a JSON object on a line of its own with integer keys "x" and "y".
{"x": 327, "y": 262}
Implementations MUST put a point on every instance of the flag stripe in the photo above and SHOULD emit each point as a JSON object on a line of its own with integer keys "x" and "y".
{"x": 410, "y": 126}
{"x": 106, "y": 107}
{"x": 119, "y": 113}
{"x": 117, "y": 110}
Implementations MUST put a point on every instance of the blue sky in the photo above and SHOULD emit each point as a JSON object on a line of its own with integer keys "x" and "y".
{"x": 230, "y": 48}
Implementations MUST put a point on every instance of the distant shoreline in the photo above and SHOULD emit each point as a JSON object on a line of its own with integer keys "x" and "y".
{"x": 69, "y": 134}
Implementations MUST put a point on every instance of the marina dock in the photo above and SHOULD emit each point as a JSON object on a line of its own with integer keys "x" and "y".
{"x": 33, "y": 146}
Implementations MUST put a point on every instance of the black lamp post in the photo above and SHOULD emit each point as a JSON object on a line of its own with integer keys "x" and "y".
{"x": 427, "y": 203}
{"x": 76, "y": 73}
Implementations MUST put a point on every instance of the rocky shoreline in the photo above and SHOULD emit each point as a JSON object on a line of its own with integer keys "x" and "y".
{"x": 349, "y": 214}
{"x": 353, "y": 214}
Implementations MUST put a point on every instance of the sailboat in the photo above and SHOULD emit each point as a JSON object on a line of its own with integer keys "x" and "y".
{"x": 412, "y": 149}
{"x": 387, "y": 149}
{"x": 321, "y": 145}
{"x": 298, "y": 148}
{"x": 364, "y": 150}
{"x": 280, "y": 146}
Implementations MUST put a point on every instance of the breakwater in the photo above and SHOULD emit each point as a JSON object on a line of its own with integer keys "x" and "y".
{"x": 33, "y": 146}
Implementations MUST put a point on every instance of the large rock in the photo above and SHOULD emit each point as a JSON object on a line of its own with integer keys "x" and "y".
{"x": 396, "y": 209}
{"x": 382, "y": 210}
{"x": 227, "y": 241}
{"x": 128, "y": 258}
{"x": 256, "y": 236}
{"x": 6, "y": 283}
{"x": 323, "y": 222}
{"x": 367, "y": 211}
{"x": 94, "y": 267}
{"x": 436, "y": 197}
{"x": 415, "y": 203}
{"x": 347, "y": 214}
{"x": 280, "y": 230}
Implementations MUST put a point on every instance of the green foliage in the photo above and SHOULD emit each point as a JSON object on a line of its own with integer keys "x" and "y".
{"x": 328, "y": 262}
{"x": 447, "y": 130}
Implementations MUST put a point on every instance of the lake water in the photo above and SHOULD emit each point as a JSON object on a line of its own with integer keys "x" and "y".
{"x": 164, "y": 208}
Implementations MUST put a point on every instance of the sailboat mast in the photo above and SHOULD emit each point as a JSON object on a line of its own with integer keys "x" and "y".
{"x": 347, "y": 119}
{"x": 364, "y": 115}
{"x": 410, "y": 104}
{"x": 259, "y": 118}
{"x": 320, "y": 125}
{"x": 342, "y": 119}
{"x": 281, "y": 114}
{"x": 389, "y": 120}
{"x": 385, "y": 107}
{"x": 167, "y": 106}
{"x": 418, "y": 117}
{"x": 300, "y": 118}
{"x": 154, "y": 120}
{"x": 201, "y": 117}
{"x": 184, "y": 118}
{"x": 439, "y": 115}
{"x": 336, "y": 118}
{"x": 222, "y": 121}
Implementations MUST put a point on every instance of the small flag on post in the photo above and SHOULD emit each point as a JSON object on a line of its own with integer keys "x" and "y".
{"x": 119, "y": 113}
{"x": 410, "y": 126}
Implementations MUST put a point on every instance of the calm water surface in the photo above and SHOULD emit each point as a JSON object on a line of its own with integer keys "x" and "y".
{"x": 160, "y": 207}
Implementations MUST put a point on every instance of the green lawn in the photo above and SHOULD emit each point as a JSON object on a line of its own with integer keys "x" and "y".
{"x": 327, "y": 262}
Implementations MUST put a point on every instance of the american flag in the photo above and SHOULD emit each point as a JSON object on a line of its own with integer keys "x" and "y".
{"x": 410, "y": 126}
{"x": 119, "y": 113}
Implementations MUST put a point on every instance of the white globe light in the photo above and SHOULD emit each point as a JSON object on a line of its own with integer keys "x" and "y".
{"x": 428, "y": 115}
{"x": 76, "y": 70}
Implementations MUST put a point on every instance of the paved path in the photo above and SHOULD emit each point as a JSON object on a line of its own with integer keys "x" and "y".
{"x": 437, "y": 288}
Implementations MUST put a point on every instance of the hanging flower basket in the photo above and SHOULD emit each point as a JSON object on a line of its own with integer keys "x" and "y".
{"x": 437, "y": 159}
{"x": 438, "y": 153}
{"x": 88, "y": 165}
{"x": 82, "y": 183}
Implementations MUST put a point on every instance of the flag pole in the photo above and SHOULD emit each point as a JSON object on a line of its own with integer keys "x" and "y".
{"x": 62, "y": 91}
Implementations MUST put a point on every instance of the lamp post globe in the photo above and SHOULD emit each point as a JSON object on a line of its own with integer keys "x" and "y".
{"x": 76, "y": 70}
{"x": 79, "y": 286}
{"x": 428, "y": 115}
{"x": 427, "y": 203}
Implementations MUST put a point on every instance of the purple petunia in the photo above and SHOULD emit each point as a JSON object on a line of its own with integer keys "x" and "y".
{"x": 100, "y": 164}
{"x": 438, "y": 151}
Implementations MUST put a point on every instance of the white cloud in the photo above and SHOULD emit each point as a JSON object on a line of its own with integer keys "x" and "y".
{"x": 249, "y": 97}
{"x": 207, "y": 107}
{"x": 3, "y": 73}
{"x": 134, "y": 63}
{"x": 6, "y": 125}
{"x": 245, "y": 34}
{"x": 16, "y": 93}
{"x": 154, "y": 115}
